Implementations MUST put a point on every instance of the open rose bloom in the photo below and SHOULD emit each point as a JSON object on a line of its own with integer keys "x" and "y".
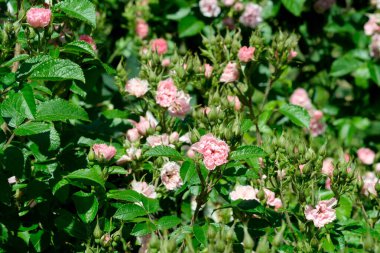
{"x": 103, "y": 152}
{"x": 38, "y": 17}
{"x": 246, "y": 192}
{"x": 322, "y": 214}
{"x": 170, "y": 176}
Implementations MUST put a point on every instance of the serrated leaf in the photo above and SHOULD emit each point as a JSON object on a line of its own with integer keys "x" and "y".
{"x": 20, "y": 57}
{"x": 87, "y": 206}
{"x": 144, "y": 228}
{"x": 31, "y": 128}
{"x": 129, "y": 212}
{"x": 344, "y": 65}
{"x": 83, "y": 10}
{"x": 57, "y": 70}
{"x": 150, "y": 205}
{"x": 163, "y": 151}
{"x": 200, "y": 234}
{"x": 93, "y": 175}
{"x": 168, "y": 222}
{"x": 294, "y": 6}
{"x": 60, "y": 110}
{"x": 28, "y": 95}
{"x": 79, "y": 47}
{"x": 126, "y": 195}
{"x": 297, "y": 114}
{"x": 30, "y": 64}
{"x": 190, "y": 26}
{"x": 247, "y": 152}
{"x": 55, "y": 140}
{"x": 16, "y": 108}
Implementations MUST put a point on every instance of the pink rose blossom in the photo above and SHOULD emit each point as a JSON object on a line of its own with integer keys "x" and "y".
{"x": 137, "y": 87}
{"x": 146, "y": 123}
{"x": 89, "y": 40}
{"x": 301, "y": 98}
{"x": 328, "y": 167}
{"x": 272, "y": 200}
{"x": 323, "y": 213}
{"x": 145, "y": 189}
{"x": 208, "y": 70}
{"x": 158, "y": 140}
{"x": 366, "y": 156}
{"x": 174, "y": 137}
{"x": 38, "y": 17}
{"x": 235, "y": 101}
{"x": 214, "y": 151}
{"x": 228, "y": 2}
{"x": 301, "y": 166}
{"x": 230, "y": 73}
{"x": 131, "y": 154}
{"x": 159, "y": 45}
{"x": 165, "y": 62}
{"x": 12, "y": 180}
{"x": 133, "y": 135}
{"x": 142, "y": 29}
{"x": 292, "y": 54}
{"x": 181, "y": 105}
{"x": 104, "y": 152}
{"x": 251, "y": 16}
{"x": 317, "y": 127}
{"x": 209, "y": 8}
{"x": 372, "y": 27}
{"x": 369, "y": 184}
{"x": 166, "y": 93}
{"x": 244, "y": 192}
{"x": 246, "y": 54}
{"x": 170, "y": 176}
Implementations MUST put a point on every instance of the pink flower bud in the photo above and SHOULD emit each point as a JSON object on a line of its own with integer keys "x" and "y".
{"x": 133, "y": 135}
{"x": 89, "y": 40}
{"x": 103, "y": 152}
{"x": 235, "y": 101}
{"x": 38, "y": 17}
{"x": 246, "y": 54}
{"x": 208, "y": 70}
{"x": 292, "y": 54}
{"x": 159, "y": 45}
{"x": 173, "y": 137}
{"x": 137, "y": 87}
{"x": 165, "y": 62}
{"x": 366, "y": 156}
{"x": 142, "y": 28}
{"x": 230, "y": 73}
{"x": 328, "y": 167}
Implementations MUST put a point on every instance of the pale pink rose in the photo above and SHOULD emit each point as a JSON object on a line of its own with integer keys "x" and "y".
{"x": 292, "y": 54}
{"x": 228, "y": 2}
{"x": 301, "y": 98}
{"x": 323, "y": 5}
{"x": 366, "y": 156}
{"x": 328, "y": 167}
{"x": 38, "y": 17}
{"x": 185, "y": 138}
{"x": 104, "y": 152}
{"x": 145, "y": 189}
{"x": 165, "y": 62}
{"x": 271, "y": 199}
{"x": 181, "y": 105}
{"x": 317, "y": 114}
{"x": 190, "y": 153}
{"x": 137, "y": 87}
{"x": 235, "y": 101}
{"x": 133, "y": 135}
{"x": 170, "y": 176}
{"x": 174, "y": 137}
{"x": 317, "y": 127}
{"x": 375, "y": 46}
{"x": 244, "y": 192}
{"x": 131, "y": 154}
{"x": 369, "y": 184}
{"x": 230, "y": 73}
{"x": 158, "y": 140}
{"x": 142, "y": 29}
{"x": 323, "y": 213}
{"x": 372, "y": 27}
{"x": 144, "y": 124}
{"x": 159, "y": 45}
{"x": 166, "y": 93}
{"x": 209, "y": 8}
{"x": 12, "y": 180}
{"x": 208, "y": 70}
{"x": 214, "y": 151}
{"x": 251, "y": 16}
{"x": 239, "y": 6}
{"x": 347, "y": 157}
{"x": 89, "y": 40}
{"x": 328, "y": 184}
{"x": 301, "y": 166}
{"x": 377, "y": 167}
{"x": 246, "y": 54}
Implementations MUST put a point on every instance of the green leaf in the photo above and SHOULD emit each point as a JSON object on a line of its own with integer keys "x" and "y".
{"x": 60, "y": 110}
{"x": 294, "y": 6}
{"x": 79, "y": 47}
{"x": 31, "y": 128}
{"x": 168, "y": 222}
{"x": 126, "y": 195}
{"x": 143, "y": 228}
{"x": 164, "y": 151}
{"x": 129, "y": 212}
{"x": 83, "y": 10}
{"x": 150, "y": 205}
{"x": 20, "y": 57}
{"x": 70, "y": 224}
{"x": 200, "y": 234}
{"x": 246, "y": 152}
{"x": 40, "y": 240}
{"x": 189, "y": 26}
{"x": 344, "y": 65}
{"x": 189, "y": 173}
{"x": 57, "y": 70}
{"x": 297, "y": 114}
{"x": 116, "y": 114}
{"x": 343, "y": 211}
{"x": 87, "y": 206}
{"x": 16, "y": 108}
{"x": 93, "y": 175}
{"x": 75, "y": 88}
{"x": 374, "y": 71}
{"x": 28, "y": 95}
{"x": 180, "y": 14}
{"x": 55, "y": 140}
{"x": 249, "y": 206}
{"x": 30, "y": 64}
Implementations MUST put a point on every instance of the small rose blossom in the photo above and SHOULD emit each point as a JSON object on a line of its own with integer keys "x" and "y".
{"x": 369, "y": 184}
{"x": 366, "y": 156}
{"x": 301, "y": 166}
{"x": 191, "y": 153}
{"x": 271, "y": 199}
{"x": 215, "y": 151}
{"x": 235, "y": 101}
{"x": 166, "y": 93}
{"x": 160, "y": 46}
{"x": 301, "y": 98}
{"x": 180, "y": 106}
{"x": 208, "y": 70}
{"x": 246, "y": 54}
{"x": 103, "y": 152}
{"x": 230, "y": 73}
{"x": 133, "y": 135}
{"x": 244, "y": 192}
{"x": 372, "y": 27}
{"x": 292, "y": 54}
{"x": 209, "y": 8}
{"x": 137, "y": 87}
{"x": 89, "y": 40}
{"x": 142, "y": 29}
{"x": 174, "y": 137}
{"x": 146, "y": 123}
{"x": 328, "y": 167}
{"x": 317, "y": 127}
{"x": 158, "y": 140}
{"x": 145, "y": 189}
{"x": 170, "y": 176}
{"x": 165, "y": 62}
{"x": 323, "y": 213}
{"x": 228, "y": 2}
{"x": 38, "y": 17}
{"x": 131, "y": 154}
{"x": 251, "y": 16}
{"x": 12, "y": 180}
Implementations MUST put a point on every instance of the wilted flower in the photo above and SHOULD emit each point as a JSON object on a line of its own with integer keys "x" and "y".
{"x": 369, "y": 184}
{"x": 38, "y": 17}
{"x": 142, "y": 28}
{"x": 323, "y": 213}
{"x": 181, "y": 105}
{"x": 137, "y": 87}
{"x": 246, "y": 54}
{"x": 144, "y": 189}
{"x": 166, "y": 93}
{"x": 251, "y": 16}
{"x": 170, "y": 176}
{"x": 209, "y": 8}
{"x": 366, "y": 156}
{"x": 159, "y": 45}
{"x": 246, "y": 192}
{"x": 89, "y": 40}
{"x": 103, "y": 152}
{"x": 230, "y": 73}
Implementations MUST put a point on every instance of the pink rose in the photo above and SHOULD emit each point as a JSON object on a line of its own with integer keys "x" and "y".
{"x": 246, "y": 54}
{"x": 235, "y": 101}
{"x": 144, "y": 124}
{"x": 301, "y": 166}
{"x": 322, "y": 214}
{"x": 228, "y": 2}
{"x": 158, "y": 140}
{"x": 38, "y": 17}
{"x": 209, "y": 8}
{"x": 165, "y": 62}
{"x": 366, "y": 156}
{"x": 369, "y": 184}
{"x": 137, "y": 87}
{"x": 375, "y": 46}
{"x": 230, "y": 73}
{"x": 174, "y": 137}
{"x": 103, "y": 152}
{"x": 317, "y": 127}
{"x": 208, "y": 70}
{"x": 145, "y": 189}
{"x": 89, "y": 40}
{"x": 180, "y": 106}
{"x": 272, "y": 200}
{"x": 239, "y": 6}
{"x": 214, "y": 151}
{"x": 131, "y": 154}
{"x": 292, "y": 54}
{"x": 328, "y": 167}
{"x": 166, "y": 93}
{"x": 133, "y": 135}
{"x": 251, "y": 16}
{"x": 170, "y": 176}
{"x": 12, "y": 180}
{"x": 142, "y": 28}
{"x": 244, "y": 192}
{"x": 159, "y": 45}
{"x": 301, "y": 98}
